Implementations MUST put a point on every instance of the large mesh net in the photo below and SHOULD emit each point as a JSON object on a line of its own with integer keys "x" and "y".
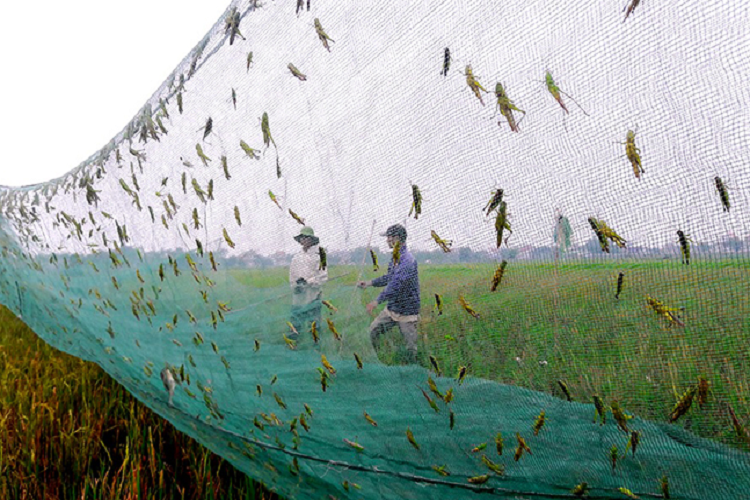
{"x": 375, "y": 258}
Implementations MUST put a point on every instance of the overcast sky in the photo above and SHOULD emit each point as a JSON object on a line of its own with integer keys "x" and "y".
{"x": 375, "y": 115}
{"x": 75, "y": 72}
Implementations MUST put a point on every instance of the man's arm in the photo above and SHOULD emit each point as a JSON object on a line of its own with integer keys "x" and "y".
{"x": 305, "y": 271}
{"x": 381, "y": 280}
{"x": 318, "y": 276}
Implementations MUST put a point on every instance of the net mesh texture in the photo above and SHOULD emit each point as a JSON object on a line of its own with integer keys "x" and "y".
{"x": 610, "y": 359}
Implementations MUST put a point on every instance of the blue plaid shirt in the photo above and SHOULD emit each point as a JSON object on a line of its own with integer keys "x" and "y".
{"x": 401, "y": 285}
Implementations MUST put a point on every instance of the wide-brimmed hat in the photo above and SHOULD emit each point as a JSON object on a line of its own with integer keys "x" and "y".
{"x": 307, "y": 231}
{"x": 396, "y": 230}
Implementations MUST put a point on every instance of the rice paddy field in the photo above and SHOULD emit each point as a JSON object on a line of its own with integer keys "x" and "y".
{"x": 69, "y": 431}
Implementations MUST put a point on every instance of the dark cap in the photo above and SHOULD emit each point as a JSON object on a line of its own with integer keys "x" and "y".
{"x": 396, "y": 230}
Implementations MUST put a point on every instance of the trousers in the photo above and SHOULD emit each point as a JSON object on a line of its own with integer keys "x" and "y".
{"x": 303, "y": 315}
{"x": 384, "y": 322}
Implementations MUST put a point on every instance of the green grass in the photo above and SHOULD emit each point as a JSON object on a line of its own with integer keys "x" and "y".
{"x": 567, "y": 315}
{"x": 63, "y": 418}
{"x": 68, "y": 431}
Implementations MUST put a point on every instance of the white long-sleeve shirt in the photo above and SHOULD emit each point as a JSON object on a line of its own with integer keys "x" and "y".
{"x": 306, "y": 264}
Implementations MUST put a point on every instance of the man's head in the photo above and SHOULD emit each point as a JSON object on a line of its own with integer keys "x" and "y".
{"x": 395, "y": 233}
{"x": 307, "y": 238}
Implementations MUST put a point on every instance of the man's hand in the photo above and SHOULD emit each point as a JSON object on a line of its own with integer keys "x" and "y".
{"x": 372, "y": 305}
{"x": 299, "y": 285}
{"x": 362, "y": 284}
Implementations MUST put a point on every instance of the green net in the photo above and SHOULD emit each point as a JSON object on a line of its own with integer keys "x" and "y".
{"x": 559, "y": 289}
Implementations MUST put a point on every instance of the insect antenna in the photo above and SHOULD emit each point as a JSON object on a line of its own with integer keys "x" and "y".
{"x": 576, "y": 103}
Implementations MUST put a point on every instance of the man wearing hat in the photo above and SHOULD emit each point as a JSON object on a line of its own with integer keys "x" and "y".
{"x": 306, "y": 279}
{"x": 401, "y": 295}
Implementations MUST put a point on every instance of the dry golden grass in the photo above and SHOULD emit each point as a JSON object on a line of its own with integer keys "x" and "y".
{"x": 68, "y": 431}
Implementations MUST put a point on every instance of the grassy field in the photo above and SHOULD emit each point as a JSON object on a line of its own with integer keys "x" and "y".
{"x": 68, "y": 431}
{"x": 63, "y": 418}
{"x": 568, "y": 317}
{"x": 548, "y": 323}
